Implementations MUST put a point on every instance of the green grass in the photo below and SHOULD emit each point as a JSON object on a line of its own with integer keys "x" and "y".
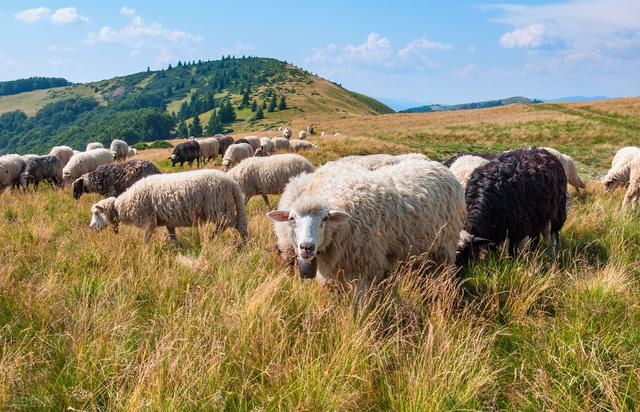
{"x": 99, "y": 321}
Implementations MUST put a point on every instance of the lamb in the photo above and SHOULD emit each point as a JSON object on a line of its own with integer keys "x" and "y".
{"x": 132, "y": 152}
{"x": 345, "y": 224}
{"x": 268, "y": 175}
{"x": 464, "y": 166}
{"x": 48, "y": 167}
{"x": 633, "y": 190}
{"x": 114, "y": 178}
{"x": 376, "y": 161}
{"x": 120, "y": 149}
{"x": 302, "y": 135}
{"x": 235, "y": 154}
{"x": 287, "y": 133}
{"x": 85, "y": 162}
{"x": 267, "y": 145}
{"x": 280, "y": 143}
{"x": 10, "y": 168}
{"x": 63, "y": 152}
{"x": 209, "y": 148}
{"x": 254, "y": 141}
{"x": 618, "y": 175}
{"x": 94, "y": 145}
{"x": 185, "y": 152}
{"x": 173, "y": 200}
{"x": 569, "y": 167}
{"x": 519, "y": 194}
{"x": 296, "y": 145}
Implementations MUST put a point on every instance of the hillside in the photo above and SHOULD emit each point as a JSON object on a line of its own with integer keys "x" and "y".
{"x": 471, "y": 106}
{"x": 151, "y": 105}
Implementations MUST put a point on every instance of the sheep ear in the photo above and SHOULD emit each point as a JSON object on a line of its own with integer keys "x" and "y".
{"x": 279, "y": 215}
{"x": 337, "y": 216}
{"x": 99, "y": 207}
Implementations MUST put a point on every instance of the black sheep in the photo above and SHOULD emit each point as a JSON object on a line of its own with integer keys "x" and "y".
{"x": 48, "y": 168}
{"x": 224, "y": 141}
{"x": 114, "y": 178}
{"x": 484, "y": 155}
{"x": 518, "y": 194}
{"x": 186, "y": 152}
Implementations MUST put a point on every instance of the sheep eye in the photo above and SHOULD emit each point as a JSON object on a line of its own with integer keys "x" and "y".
{"x": 291, "y": 219}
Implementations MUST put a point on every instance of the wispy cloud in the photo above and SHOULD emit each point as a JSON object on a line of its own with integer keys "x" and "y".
{"x": 62, "y": 16}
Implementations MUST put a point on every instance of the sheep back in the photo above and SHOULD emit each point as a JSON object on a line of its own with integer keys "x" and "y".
{"x": 85, "y": 162}
{"x": 114, "y": 178}
{"x": 236, "y": 153}
{"x": 64, "y": 153}
{"x": 11, "y": 166}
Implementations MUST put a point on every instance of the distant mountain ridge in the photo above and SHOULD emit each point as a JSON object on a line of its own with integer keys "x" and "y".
{"x": 576, "y": 99}
{"x": 473, "y": 105}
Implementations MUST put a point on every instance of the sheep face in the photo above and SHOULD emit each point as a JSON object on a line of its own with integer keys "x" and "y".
{"x": 99, "y": 218}
{"x": 78, "y": 188}
{"x": 309, "y": 233}
{"x": 612, "y": 182}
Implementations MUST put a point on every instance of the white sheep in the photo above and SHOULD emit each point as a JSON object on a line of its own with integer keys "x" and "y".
{"x": 254, "y": 141}
{"x": 63, "y": 153}
{"x": 464, "y": 166}
{"x": 10, "y": 168}
{"x": 209, "y": 148}
{"x": 375, "y": 161}
{"x": 268, "y": 175}
{"x": 302, "y": 135}
{"x": 296, "y": 145}
{"x": 119, "y": 149}
{"x": 280, "y": 143}
{"x": 633, "y": 191}
{"x": 173, "y": 200}
{"x": 132, "y": 152}
{"x": 287, "y": 133}
{"x": 569, "y": 166}
{"x": 267, "y": 145}
{"x": 618, "y": 174}
{"x": 85, "y": 162}
{"x": 346, "y": 224}
{"x": 235, "y": 154}
{"x": 94, "y": 145}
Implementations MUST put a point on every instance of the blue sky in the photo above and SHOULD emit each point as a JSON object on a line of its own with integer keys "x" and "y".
{"x": 444, "y": 52}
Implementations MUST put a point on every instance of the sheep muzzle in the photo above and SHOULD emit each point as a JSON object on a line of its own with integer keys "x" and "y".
{"x": 307, "y": 267}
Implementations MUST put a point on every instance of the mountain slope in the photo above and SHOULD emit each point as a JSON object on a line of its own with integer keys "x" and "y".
{"x": 150, "y": 105}
{"x": 471, "y": 106}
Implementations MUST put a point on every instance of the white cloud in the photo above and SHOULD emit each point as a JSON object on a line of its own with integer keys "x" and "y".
{"x": 530, "y": 37}
{"x": 33, "y": 15}
{"x": 68, "y": 15}
{"x": 375, "y": 49}
{"x": 419, "y": 45}
{"x": 65, "y": 15}
{"x": 138, "y": 34}
{"x": 55, "y": 48}
{"x": 466, "y": 71}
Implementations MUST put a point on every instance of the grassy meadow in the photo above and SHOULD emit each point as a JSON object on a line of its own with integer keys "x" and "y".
{"x": 101, "y": 321}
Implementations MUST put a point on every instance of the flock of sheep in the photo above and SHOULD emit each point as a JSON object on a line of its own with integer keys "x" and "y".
{"x": 345, "y": 222}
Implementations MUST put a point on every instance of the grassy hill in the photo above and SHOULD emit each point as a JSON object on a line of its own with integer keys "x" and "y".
{"x": 148, "y": 105}
{"x": 101, "y": 321}
{"x": 471, "y": 106}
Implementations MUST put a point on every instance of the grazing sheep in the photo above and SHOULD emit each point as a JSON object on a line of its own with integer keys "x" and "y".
{"x": 618, "y": 175}
{"x": 76, "y": 152}
{"x": 267, "y": 145}
{"x": 235, "y": 154}
{"x": 633, "y": 190}
{"x": 185, "y": 152}
{"x": 254, "y": 141}
{"x": 463, "y": 166}
{"x": 484, "y": 155}
{"x": 260, "y": 152}
{"x": 114, "y": 178}
{"x": 132, "y": 152}
{"x": 119, "y": 149}
{"x": 519, "y": 194}
{"x": 224, "y": 141}
{"x": 310, "y": 130}
{"x": 569, "y": 167}
{"x": 30, "y": 156}
{"x": 346, "y": 224}
{"x": 209, "y": 148}
{"x": 280, "y": 143}
{"x": 173, "y": 200}
{"x": 268, "y": 176}
{"x": 296, "y": 145}
{"x": 48, "y": 167}
{"x": 85, "y": 162}
{"x": 302, "y": 135}
{"x": 376, "y": 161}
{"x": 287, "y": 133}
{"x": 94, "y": 145}
{"x": 10, "y": 168}
{"x": 64, "y": 153}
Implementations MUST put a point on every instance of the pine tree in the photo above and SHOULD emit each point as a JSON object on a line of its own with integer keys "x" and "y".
{"x": 282, "y": 105}
{"x": 182, "y": 131}
{"x": 259, "y": 114}
{"x": 264, "y": 104}
{"x": 254, "y": 105}
{"x": 196, "y": 127}
{"x": 245, "y": 99}
{"x": 272, "y": 105}
{"x": 214, "y": 126}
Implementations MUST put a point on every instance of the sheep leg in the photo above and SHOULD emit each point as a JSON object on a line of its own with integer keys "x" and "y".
{"x": 148, "y": 231}
{"x": 266, "y": 200}
{"x": 555, "y": 239}
{"x": 172, "y": 237}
